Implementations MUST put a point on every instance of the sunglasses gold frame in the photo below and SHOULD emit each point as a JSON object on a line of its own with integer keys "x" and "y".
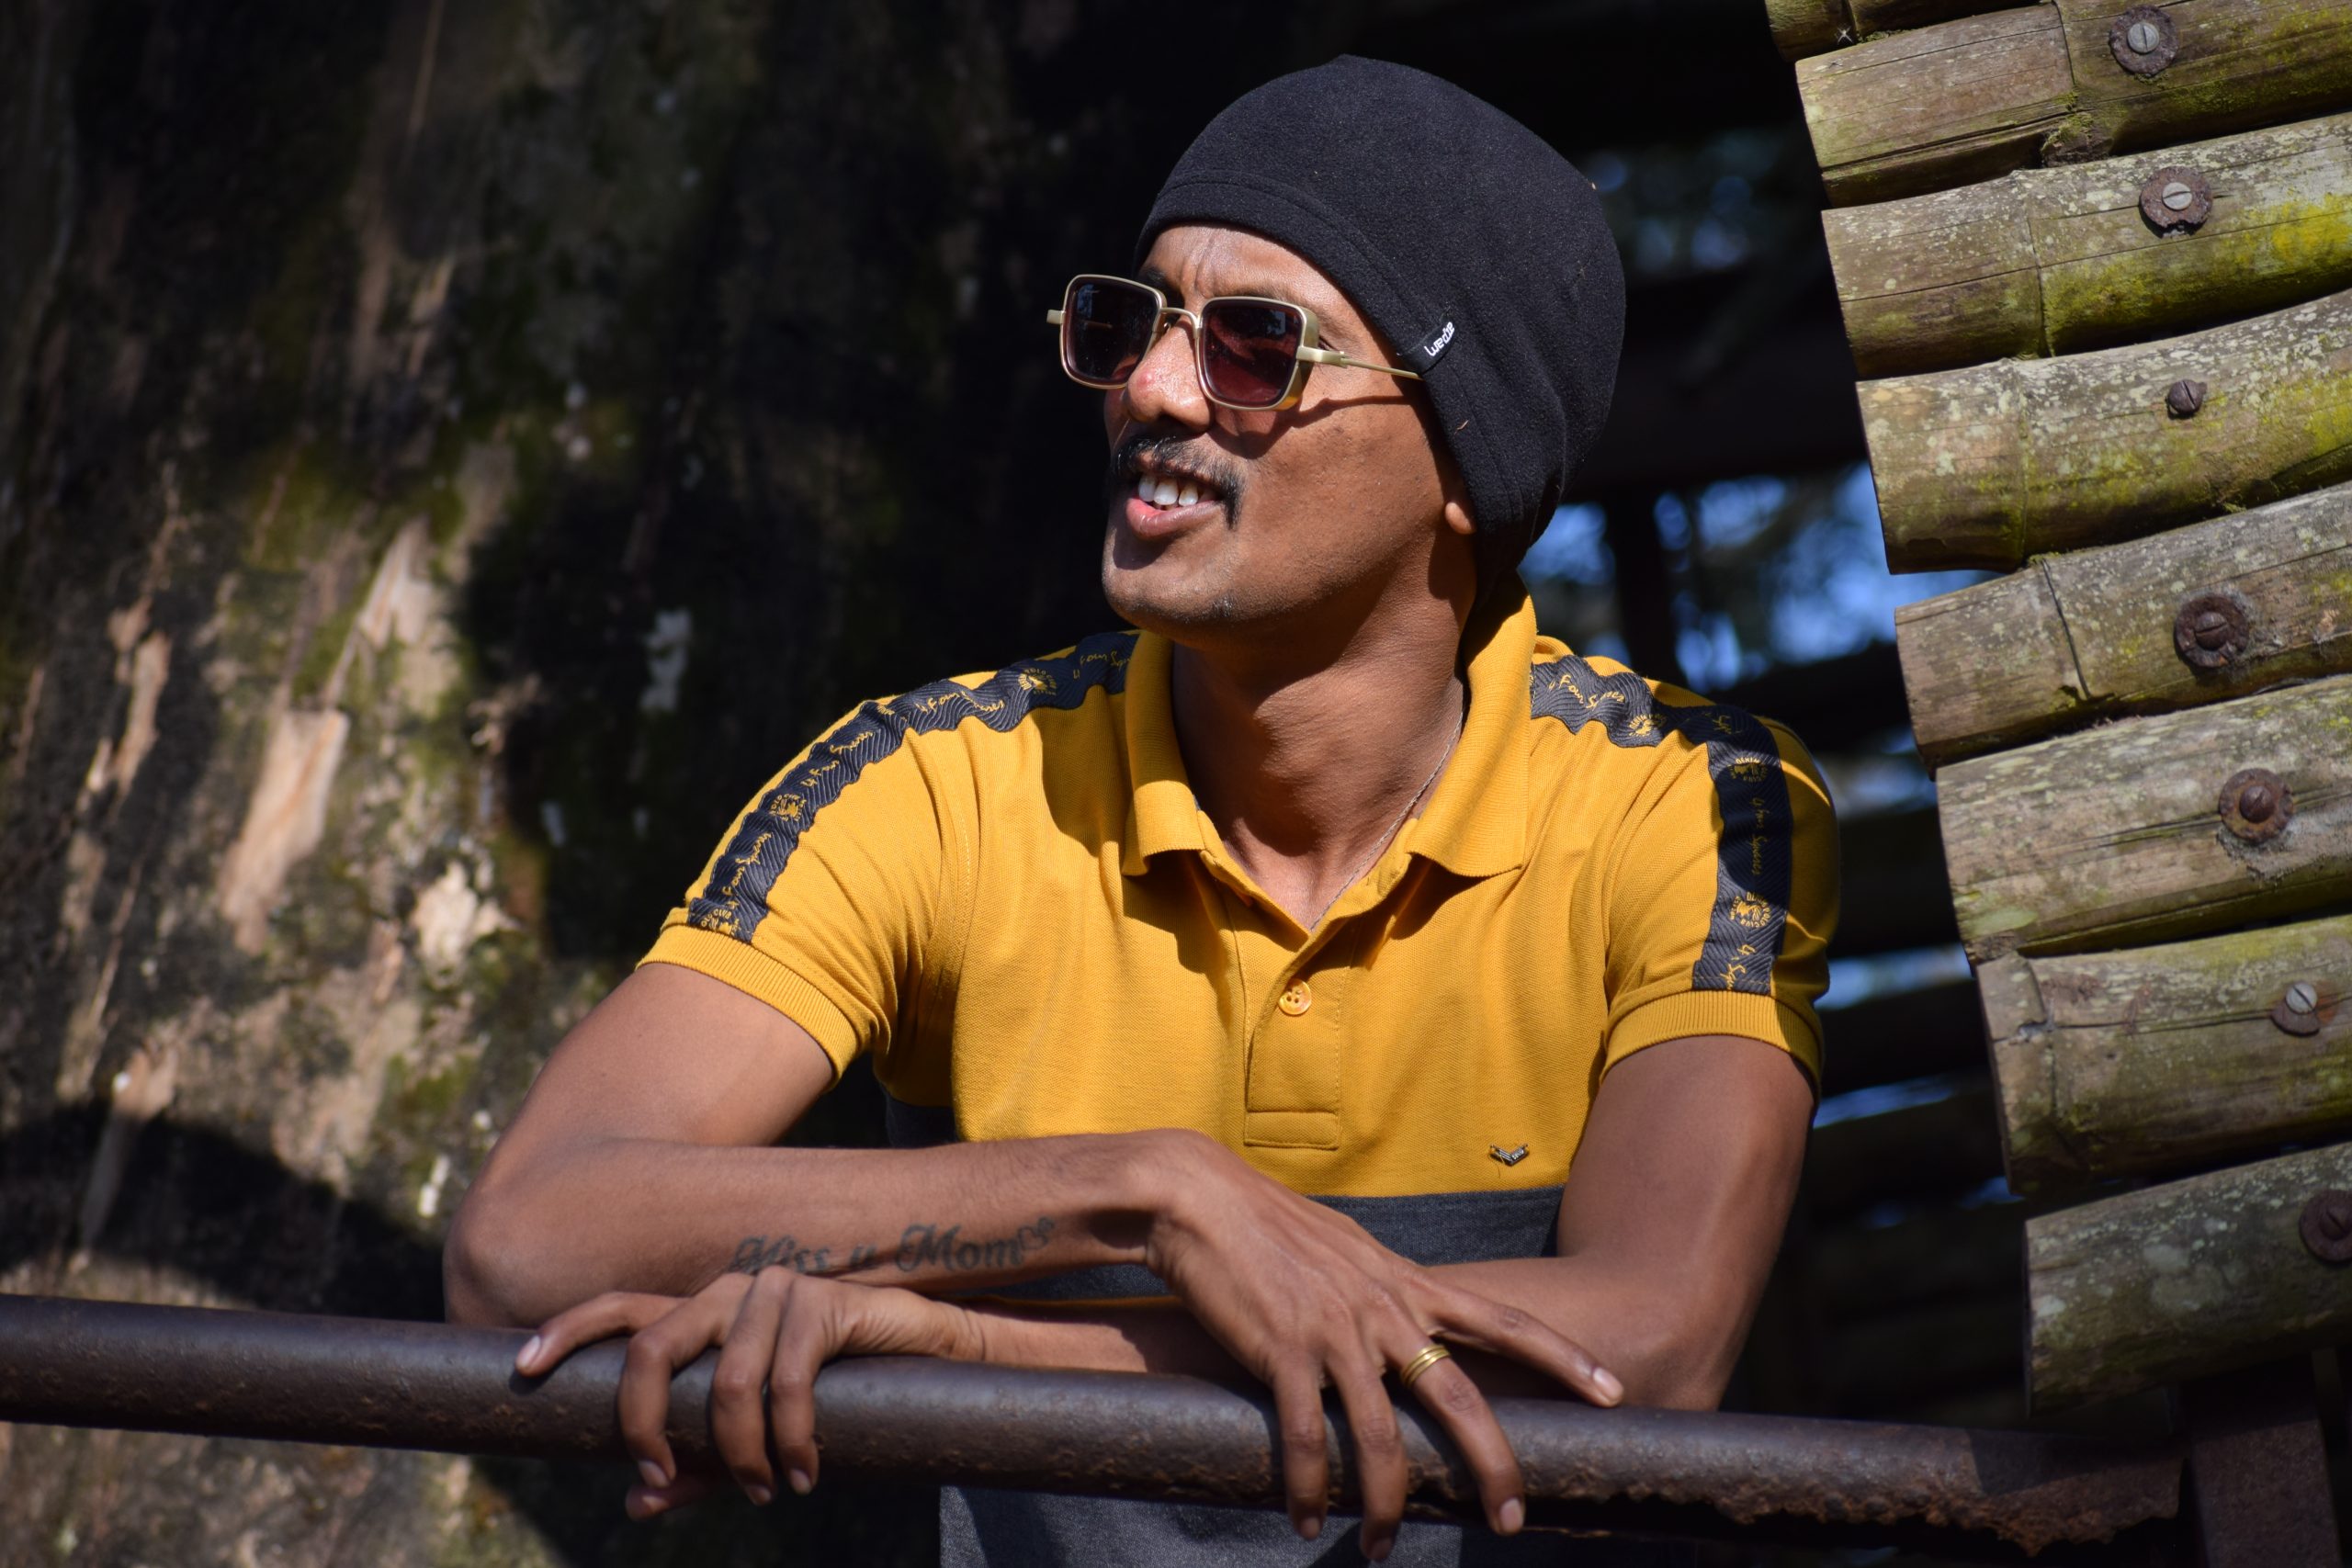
{"x": 1308, "y": 355}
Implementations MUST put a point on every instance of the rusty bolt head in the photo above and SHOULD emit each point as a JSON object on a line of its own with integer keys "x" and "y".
{"x": 2327, "y": 1225}
{"x": 2256, "y": 805}
{"x": 2305, "y": 1009}
{"x": 2176, "y": 200}
{"x": 2211, "y": 630}
{"x": 2142, "y": 40}
{"x": 2183, "y": 399}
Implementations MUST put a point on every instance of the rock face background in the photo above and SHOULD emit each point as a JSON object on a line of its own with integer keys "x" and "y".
{"x": 450, "y": 454}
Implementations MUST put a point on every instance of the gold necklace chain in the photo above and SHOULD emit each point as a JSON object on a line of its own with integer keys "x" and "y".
{"x": 1396, "y": 827}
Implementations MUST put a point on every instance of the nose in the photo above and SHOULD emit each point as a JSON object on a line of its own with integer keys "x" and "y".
{"x": 1167, "y": 384}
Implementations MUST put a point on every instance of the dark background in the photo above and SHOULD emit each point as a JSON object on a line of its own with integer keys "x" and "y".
{"x": 694, "y": 348}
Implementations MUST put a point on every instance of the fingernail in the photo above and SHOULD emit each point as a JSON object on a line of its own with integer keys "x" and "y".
{"x": 642, "y": 1505}
{"x": 1378, "y": 1550}
{"x": 760, "y": 1493}
{"x": 798, "y": 1481}
{"x": 1513, "y": 1514}
{"x": 1606, "y": 1380}
{"x": 528, "y": 1353}
{"x": 653, "y": 1472}
{"x": 1310, "y": 1528}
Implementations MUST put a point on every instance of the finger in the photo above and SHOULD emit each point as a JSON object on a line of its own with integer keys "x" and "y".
{"x": 650, "y": 1502}
{"x": 811, "y": 1333}
{"x": 739, "y": 1417}
{"x": 1484, "y": 1324}
{"x": 1379, "y": 1449}
{"x": 1306, "y": 1467}
{"x": 615, "y": 1311}
{"x": 655, "y": 1354}
{"x": 1447, "y": 1393}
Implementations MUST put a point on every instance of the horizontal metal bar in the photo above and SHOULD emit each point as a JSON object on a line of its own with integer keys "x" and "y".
{"x": 1985, "y": 1496}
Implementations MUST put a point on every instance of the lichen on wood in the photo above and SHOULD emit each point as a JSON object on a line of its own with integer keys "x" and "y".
{"x": 2183, "y": 1281}
{"x": 2093, "y": 634}
{"x": 2055, "y": 261}
{"x": 1989, "y": 465}
{"x": 1970, "y": 98}
{"x": 2115, "y": 836}
{"x": 2160, "y": 1059}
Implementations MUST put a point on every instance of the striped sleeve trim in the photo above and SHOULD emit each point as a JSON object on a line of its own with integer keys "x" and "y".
{"x": 1754, "y": 859}
{"x": 733, "y": 896}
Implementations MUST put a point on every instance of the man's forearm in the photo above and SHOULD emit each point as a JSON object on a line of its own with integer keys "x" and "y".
{"x": 640, "y": 1214}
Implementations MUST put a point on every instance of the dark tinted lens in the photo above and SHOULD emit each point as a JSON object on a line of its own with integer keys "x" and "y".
{"x": 1248, "y": 350}
{"x": 1107, "y": 327}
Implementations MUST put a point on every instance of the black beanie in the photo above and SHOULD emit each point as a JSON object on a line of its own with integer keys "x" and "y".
{"x": 1472, "y": 245}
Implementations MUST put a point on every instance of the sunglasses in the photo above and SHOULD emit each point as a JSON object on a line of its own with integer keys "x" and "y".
{"x": 1251, "y": 352}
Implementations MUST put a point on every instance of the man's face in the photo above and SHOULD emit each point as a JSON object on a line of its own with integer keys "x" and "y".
{"x": 1301, "y": 513}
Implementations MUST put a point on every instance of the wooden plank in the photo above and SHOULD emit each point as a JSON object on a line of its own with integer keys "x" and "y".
{"x": 1905, "y": 1034}
{"x": 2114, "y": 836}
{"x": 1989, "y": 465}
{"x": 1968, "y": 99}
{"x": 2179, "y": 1282}
{"x": 2168, "y": 1058}
{"x": 1961, "y": 101}
{"x": 2056, "y": 261}
{"x": 2075, "y": 638}
{"x": 1803, "y": 28}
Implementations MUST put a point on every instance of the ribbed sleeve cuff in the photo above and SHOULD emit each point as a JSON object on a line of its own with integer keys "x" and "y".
{"x": 1686, "y": 1013}
{"x": 753, "y": 973}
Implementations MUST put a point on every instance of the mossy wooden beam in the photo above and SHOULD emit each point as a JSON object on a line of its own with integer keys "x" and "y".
{"x": 1989, "y": 465}
{"x": 2116, "y": 835}
{"x": 2097, "y": 633}
{"x": 2180, "y": 1281}
{"x": 2168, "y": 1058}
{"x": 1803, "y": 28}
{"x": 1973, "y": 98}
{"x": 2055, "y": 261}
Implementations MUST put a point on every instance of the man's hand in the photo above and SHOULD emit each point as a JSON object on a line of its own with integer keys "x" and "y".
{"x": 775, "y": 1330}
{"x": 1302, "y": 1297}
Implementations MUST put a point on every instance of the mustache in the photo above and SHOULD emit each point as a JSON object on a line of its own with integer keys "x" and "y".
{"x": 1188, "y": 453}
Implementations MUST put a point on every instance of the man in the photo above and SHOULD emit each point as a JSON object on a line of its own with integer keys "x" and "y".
{"x": 1291, "y": 950}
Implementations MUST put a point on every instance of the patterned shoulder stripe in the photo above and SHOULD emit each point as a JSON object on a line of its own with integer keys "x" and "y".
{"x": 1755, "y": 861}
{"x": 735, "y": 894}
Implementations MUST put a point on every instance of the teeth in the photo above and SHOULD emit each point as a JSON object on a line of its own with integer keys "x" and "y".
{"x": 1143, "y": 488}
{"x": 1189, "y": 494}
{"x": 1165, "y": 493}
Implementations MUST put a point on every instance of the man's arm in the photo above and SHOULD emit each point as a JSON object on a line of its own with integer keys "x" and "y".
{"x": 642, "y": 1160}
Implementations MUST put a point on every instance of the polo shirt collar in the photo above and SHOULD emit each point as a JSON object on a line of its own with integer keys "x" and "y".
{"x": 1163, "y": 815}
{"x": 1476, "y": 823}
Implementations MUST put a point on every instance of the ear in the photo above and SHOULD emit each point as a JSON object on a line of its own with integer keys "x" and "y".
{"x": 1457, "y": 517}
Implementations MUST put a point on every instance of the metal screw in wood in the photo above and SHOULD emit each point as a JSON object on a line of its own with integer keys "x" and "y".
{"x": 2326, "y": 1225}
{"x": 2304, "y": 1011}
{"x": 2143, "y": 40}
{"x": 2256, "y": 805}
{"x": 2183, "y": 399}
{"x": 2176, "y": 200}
{"x": 2209, "y": 630}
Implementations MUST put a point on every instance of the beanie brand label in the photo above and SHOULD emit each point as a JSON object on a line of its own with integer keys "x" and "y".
{"x": 1425, "y": 350}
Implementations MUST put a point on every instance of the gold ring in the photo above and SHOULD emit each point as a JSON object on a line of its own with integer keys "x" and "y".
{"x": 1422, "y": 1363}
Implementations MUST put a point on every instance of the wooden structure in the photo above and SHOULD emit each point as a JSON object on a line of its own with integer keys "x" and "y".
{"x": 2095, "y": 264}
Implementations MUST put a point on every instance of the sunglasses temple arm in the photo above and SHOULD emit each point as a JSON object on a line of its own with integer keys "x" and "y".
{"x": 1330, "y": 356}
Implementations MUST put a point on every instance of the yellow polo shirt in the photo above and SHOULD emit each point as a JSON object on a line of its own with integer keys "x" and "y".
{"x": 1002, "y": 889}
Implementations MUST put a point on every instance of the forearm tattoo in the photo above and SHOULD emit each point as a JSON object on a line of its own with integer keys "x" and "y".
{"x": 922, "y": 1246}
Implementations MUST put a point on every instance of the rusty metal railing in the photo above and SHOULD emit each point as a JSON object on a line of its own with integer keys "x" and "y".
{"x": 1975, "y": 1495}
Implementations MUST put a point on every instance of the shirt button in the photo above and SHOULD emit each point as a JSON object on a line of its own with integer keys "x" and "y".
{"x": 1296, "y": 1000}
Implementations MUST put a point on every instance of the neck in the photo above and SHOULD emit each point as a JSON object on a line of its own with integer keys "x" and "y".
{"x": 1305, "y": 759}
